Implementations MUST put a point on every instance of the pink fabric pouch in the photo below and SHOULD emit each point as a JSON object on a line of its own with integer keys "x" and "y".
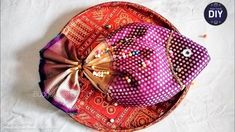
{"x": 139, "y": 64}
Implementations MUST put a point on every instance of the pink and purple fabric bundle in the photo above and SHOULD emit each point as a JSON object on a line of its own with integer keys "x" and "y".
{"x": 139, "y": 64}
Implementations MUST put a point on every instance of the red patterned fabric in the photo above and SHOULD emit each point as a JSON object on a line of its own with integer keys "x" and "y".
{"x": 85, "y": 31}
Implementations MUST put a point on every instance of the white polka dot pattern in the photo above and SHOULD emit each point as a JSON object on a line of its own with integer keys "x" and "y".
{"x": 140, "y": 59}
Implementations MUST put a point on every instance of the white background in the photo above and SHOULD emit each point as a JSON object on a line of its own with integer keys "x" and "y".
{"x": 27, "y": 25}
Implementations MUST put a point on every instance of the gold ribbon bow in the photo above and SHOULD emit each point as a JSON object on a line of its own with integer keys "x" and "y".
{"x": 63, "y": 68}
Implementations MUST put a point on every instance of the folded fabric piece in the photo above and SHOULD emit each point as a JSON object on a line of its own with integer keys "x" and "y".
{"x": 139, "y": 64}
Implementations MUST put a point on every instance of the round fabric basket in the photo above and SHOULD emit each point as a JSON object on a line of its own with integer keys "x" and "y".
{"x": 88, "y": 29}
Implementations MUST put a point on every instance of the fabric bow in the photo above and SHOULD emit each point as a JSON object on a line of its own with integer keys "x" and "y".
{"x": 60, "y": 68}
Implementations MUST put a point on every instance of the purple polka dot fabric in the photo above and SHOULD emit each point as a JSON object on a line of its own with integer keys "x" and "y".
{"x": 152, "y": 63}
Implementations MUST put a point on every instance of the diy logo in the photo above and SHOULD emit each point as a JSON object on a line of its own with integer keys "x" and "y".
{"x": 215, "y": 13}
